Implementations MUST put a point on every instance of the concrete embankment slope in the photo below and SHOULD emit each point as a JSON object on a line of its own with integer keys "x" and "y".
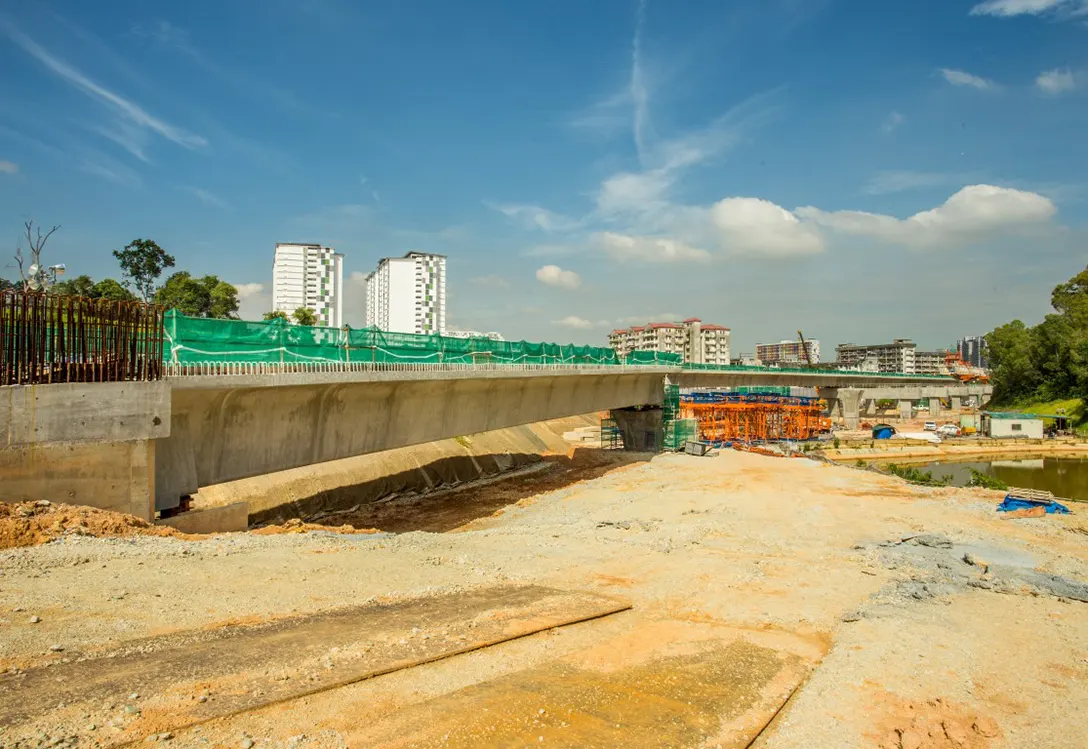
{"x": 341, "y": 484}
{"x": 852, "y": 450}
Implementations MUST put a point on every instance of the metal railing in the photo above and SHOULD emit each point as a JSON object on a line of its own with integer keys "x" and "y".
{"x": 47, "y": 338}
{"x": 228, "y": 368}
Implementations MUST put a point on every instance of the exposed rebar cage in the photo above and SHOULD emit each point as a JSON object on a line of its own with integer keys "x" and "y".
{"x": 46, "y": 338}
{"x": 727, "y": 417}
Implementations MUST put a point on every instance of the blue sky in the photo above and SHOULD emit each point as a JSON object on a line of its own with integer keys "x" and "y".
{"x": 908, "y": 168}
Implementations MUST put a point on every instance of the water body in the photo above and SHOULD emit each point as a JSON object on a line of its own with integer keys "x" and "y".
{"x": 1065, "y": 477}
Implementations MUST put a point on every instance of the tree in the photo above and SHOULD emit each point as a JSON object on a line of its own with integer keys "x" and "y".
{"x": 142, "y": 262}
{"x": 36, "y": 242}
{"x": 1009, "y": 348}
{"x": 198, "y": 297}
{"x": 108, "y": 288}
{"x": 224, "y": 298}
{"x": 276, "y": 314}
{"x": 78, "y": 286}
{"x": 305, "y": 316}
{"x": 6, "y": 284}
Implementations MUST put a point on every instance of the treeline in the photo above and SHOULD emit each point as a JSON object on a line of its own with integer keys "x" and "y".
{"x": 142, "y": 262}
{"x": 1048, "y": 361}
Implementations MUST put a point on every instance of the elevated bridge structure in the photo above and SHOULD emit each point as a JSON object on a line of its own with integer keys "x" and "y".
{"x": 140, "y": 447}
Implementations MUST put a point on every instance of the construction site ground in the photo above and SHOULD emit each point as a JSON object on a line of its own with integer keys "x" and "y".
{"x": 735, "y": 600}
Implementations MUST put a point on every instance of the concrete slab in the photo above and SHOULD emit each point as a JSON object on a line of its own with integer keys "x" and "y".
{"x": 226, "y": 519}
{"x": 245, "y": 667}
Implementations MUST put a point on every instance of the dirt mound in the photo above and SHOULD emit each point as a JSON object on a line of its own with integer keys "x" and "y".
{"x": 933, "y": 724}
{"x": 33, "y": 523}
{"x": 294, "y": 525}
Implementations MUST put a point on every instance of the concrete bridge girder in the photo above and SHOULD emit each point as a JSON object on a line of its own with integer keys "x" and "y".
{"x": 139, "y": 447}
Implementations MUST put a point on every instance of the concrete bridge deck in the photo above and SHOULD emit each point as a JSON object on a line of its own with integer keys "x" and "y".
{"x": 139, "y": 447}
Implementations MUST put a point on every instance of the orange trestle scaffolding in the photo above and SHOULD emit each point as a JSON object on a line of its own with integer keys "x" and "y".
{"x": 764, "y": 420}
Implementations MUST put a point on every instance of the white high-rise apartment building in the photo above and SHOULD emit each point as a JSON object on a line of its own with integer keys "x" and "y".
{"x": 693, "y": 339}
{"x": 408, "y": 294}
{"x": 309, "y": 275}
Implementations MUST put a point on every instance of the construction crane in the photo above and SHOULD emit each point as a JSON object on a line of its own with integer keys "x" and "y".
{"x": 804, "y": 348}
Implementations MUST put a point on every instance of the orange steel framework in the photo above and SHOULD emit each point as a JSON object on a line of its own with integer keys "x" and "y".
{"x": 760, "y": 420}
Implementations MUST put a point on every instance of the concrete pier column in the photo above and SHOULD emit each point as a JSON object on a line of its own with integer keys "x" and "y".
{"x": 935, "y": 407}
{"x": 850, "y": 398}
{"x": 905, "y": 410}
{"x": 957, "y": 403}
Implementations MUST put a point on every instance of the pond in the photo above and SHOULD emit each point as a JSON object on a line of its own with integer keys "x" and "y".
{"x": 1065, "y": 477}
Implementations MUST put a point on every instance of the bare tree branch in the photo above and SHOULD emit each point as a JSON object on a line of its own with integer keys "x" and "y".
{"x": 37, "y": 244}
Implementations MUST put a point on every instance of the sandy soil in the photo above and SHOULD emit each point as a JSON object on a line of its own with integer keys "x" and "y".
{"x": 895, "y": 616}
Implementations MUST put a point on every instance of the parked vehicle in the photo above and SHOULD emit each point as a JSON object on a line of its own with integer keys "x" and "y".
{"x": 949, "y": 430}
{"x": 930, "y": 426}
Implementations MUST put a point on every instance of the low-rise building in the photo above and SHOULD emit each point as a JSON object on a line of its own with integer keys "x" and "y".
{"x": 692, "y": 339}
{"x": 897, "y": 356}
{"x": 1007, "y": 424}
{"x": 789, "y": 352}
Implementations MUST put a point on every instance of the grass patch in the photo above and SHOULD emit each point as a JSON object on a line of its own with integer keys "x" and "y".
{"x": 1073, "y": 407}
{"x": 914, "y": 476}
{"x": 464, "y": 442}
{"x": 986, "y": 481}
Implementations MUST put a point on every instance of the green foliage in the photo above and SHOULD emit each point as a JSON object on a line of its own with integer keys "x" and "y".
{"x": 835, "y": 443}
{"x": 464, "y": 442}
{"x": 198, "y": 297}
{"x": 108, "y": 288}
{"x": 1050, "y": 360}
{"x": 6, "y": 284}
{"x": 85, "y": 286}
{"x": 985, "y": 480}
{"x": 304, "y": 316}
{"x": 884, "y": 403}
{"x": 142, "y": 262}
{"x": 914, "y": 476}
{"x": 276, "y": 314}
{"x": 861, "y": 463}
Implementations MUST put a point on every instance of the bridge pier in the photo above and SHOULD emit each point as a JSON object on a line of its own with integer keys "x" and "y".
{"x": 935, "y": 407}
{"x": 905, "y": 409}
{"x": 957, "y": 403}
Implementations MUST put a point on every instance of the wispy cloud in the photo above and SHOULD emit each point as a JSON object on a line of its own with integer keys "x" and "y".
{"x": 9, "y": 167}
{"x": 246, "y": 290}
{"x": 122, "y": 106}
{"x": 1008, "y": 8}
{"x": 534, "y": 217}
{"x": 1056, "y": 81}
{"x": 580, "y": 323}
{"x": 102, "y": 166}
{"x": 892, "y": 123}
{"x": 961, "y": 78}
{"x": 127, "y": 135}
{"x": 208, "y": 198}
{"x": 885, "y": 183}
{"x": 168, "y": 36}
{"x": 490, "y": 282}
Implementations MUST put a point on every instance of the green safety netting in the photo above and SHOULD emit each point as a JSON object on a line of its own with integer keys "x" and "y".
{"x": 191, "y": 340}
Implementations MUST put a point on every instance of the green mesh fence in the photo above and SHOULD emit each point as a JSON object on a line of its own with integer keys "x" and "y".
{"x": 192, "y": 340}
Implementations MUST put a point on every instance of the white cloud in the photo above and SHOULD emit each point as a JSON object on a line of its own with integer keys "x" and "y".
{"x": 573, "y": 321}
{"x": 491, "y": 282}
{"x": 78, "y": 80}
{"x": 627, "y": 193}
{"x": 1007, "y": 8}
{"x": 626, "y": 248}
{"x": 751, "y": 226}
{"x": 534, "y": 217}
{"x": 246, "y": 290}
{"x": 553, "y": 275}
{"x": 1056, "y": 81}
{"x": 972, "y": 213}
{"x": 960, "y": 78}
{"x": 9, "y": 167}
{"x": 358, "y": 277}
{"x": 892, "y": 123}
{"x": 208, "y": 198}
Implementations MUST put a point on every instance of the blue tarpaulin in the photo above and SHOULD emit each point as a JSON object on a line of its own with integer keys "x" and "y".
{"x": 1012, "y": 503}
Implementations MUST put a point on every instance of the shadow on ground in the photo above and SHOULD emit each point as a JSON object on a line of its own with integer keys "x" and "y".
{"x": 448, "y": 493}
